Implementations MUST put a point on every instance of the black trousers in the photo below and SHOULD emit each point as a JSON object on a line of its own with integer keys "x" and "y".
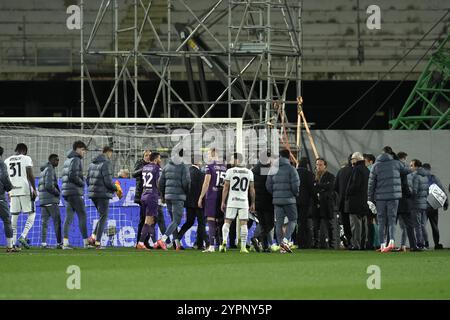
{"x": 346, "y": 225}
{"x": 304, "y": 228}
{"x": 191, "y": 214}
{"x": 266, "y": 222}
{"x": 325, "y": 231}
{"x": 433, "y": 216}
{"x": 232, "y": 234}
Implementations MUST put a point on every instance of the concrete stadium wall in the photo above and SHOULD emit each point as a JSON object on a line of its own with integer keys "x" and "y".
{"x": 428, "y": 146}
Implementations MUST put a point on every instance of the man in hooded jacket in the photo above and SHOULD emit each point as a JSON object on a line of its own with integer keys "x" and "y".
{"x": 49, "y": 199}
{"x": 385, "y": 189}
{"x": 73, "y": 192}
{"x": 283, "y": 183}
{"x": 101, "y": 190}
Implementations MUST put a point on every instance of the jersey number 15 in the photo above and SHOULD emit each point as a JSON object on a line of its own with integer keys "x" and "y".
{"x": 220, "y": 178}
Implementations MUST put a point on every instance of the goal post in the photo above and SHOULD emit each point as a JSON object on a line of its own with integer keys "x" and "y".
{"x": 129, "y": 137}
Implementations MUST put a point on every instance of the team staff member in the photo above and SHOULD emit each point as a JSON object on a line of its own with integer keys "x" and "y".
{"x": 101, "y": 190}
{"x": 283, "y": 183}
{"x": 193, "y": 210}
{"x": 49, "y": 194}
{"x": 72, "y": 191}
{"x": 5, "y": 186}
{"x": 174, "y": 185}
{"x": 263, "y": 205}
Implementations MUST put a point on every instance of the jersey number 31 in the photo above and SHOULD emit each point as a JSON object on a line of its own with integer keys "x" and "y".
{"x": 12, "y": 168}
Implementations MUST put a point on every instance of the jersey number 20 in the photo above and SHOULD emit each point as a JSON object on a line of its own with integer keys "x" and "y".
{"x": 240, "y": 184}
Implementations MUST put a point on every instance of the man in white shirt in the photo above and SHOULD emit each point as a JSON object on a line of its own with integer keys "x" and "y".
{"x": 23, "y": 193}
{"x": 238, "y": 182}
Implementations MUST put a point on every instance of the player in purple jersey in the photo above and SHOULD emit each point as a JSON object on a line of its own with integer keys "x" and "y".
{"x": 211, "y": 194}
{"x": 150, "y": 196}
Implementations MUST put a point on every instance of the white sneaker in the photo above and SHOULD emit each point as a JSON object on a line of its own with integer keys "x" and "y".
{"x": 67, "y": 248}
{"x": 210, "y": 249}
{"x": 223, "y": 247}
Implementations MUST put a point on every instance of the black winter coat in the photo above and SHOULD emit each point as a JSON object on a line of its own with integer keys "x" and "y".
{"x": 324, "y": 196}
{"x": 197, "y": 177}
{"x": 340, "y": 185}
{"x": 263, "y": 200}
{"x": 137, "y": 173}
{"x": 404, "y": 204}
{"x": 356, "y": 193}
{"x": 306, "y": 190}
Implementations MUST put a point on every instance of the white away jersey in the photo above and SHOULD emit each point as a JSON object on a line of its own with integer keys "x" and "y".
{"x": 239, "y": 178}
{"x": 17, "y": 170}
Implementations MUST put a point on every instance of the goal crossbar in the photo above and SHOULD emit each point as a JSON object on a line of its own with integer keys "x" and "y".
{"x": 79, "y": 120}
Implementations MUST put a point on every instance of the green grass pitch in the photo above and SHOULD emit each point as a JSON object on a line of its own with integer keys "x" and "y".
{"x": 308, "y": 274}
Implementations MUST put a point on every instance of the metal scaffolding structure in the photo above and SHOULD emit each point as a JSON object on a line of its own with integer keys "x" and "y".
{"x": 256, "y": 63}
{"x": 428, "y": 105}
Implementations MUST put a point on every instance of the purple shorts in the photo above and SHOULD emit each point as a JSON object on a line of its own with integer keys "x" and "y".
{"x": 149, "y": 204}
{"x": 212, "y": 206}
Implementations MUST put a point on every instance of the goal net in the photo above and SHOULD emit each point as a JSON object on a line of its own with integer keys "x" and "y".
{"x": 128, "y": 138}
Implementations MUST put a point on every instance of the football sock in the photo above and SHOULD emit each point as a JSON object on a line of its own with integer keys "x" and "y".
{"x": 164, "y": 238}
{"x": 152, "y": 231}
{"x": 9, "y": 242}
{"x": 244, "y": 233}
{"x": 225, "y": 232}
{"x": 14, "y": 218}
{"x": 177, "y": 243}
{"x": 65, "y": 242}
{"x": 211, "y": 231}
{"x": 85, "y": 242}
{"x": 144, "y": 232}
{"x": 28, "y": 224}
